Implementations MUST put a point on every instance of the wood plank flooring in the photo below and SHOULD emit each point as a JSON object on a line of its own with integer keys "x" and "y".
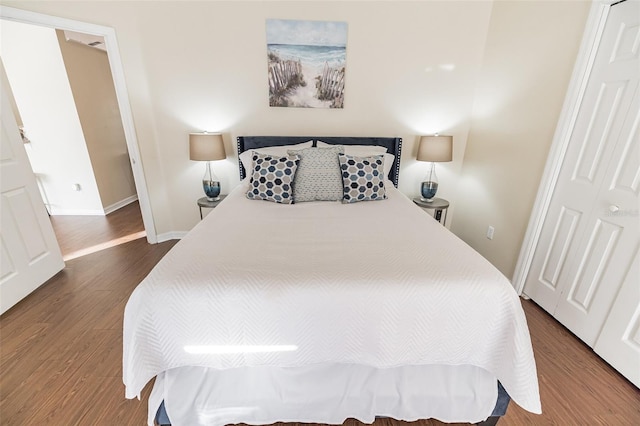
{"x": 61, "y": 353}
{"x": 78, "y": 235}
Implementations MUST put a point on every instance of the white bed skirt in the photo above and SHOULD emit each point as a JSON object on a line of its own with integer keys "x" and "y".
{"x": 323, "y": 393}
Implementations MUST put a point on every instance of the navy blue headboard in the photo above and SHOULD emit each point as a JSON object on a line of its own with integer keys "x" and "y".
{"x": 393, "y": 145}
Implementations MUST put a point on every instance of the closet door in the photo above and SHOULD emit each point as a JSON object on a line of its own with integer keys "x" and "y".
{"x": 619, "y": 341}
{"x": 605, "y": 252}
{"x": 588, "y": 240}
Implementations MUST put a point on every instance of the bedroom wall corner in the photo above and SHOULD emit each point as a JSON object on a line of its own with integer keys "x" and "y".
{"x": 530, "y": 52}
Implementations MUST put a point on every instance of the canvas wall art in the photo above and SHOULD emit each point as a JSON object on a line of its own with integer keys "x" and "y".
{"x": 306, "y": 63}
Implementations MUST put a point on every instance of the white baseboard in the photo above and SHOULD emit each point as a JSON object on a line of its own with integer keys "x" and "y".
{"x": 174, "y": 235}
{"x": 115, "y": 206}
{"x": 53, "y": 211}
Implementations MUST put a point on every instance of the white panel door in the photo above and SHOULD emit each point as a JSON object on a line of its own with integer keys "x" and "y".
{"x": 30, "y": 254}
{"x": 591, "y": 230}
{"x": 604, "y": 253}
{"x": 619, "y": 341}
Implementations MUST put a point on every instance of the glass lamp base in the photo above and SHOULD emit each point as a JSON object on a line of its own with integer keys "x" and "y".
{"x": 211, "y": 189}
{"x": 428, "y": 190}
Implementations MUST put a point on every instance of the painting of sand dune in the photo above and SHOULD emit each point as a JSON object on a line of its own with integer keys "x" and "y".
{"x": 306, "y": 63}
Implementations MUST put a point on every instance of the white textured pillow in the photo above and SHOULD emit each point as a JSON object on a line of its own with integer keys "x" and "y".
{"x": 366, "y": 151}
{"x": 358, "y": 150}
{"x": 388, "y": 163}
{"x": 280, "y": 151}
{"x": 318, "y": 177}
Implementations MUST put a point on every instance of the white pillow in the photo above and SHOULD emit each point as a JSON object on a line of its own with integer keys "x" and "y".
{"x": 358, "y": 150}
{"x": 388, "y": 163}
{"x": 246, "y": 158}
{"x": 366, "y": 151}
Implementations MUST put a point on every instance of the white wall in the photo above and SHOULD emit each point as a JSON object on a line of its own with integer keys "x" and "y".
{"x": 12, "y": 99}
{"x": 193, "y": 66}
{"x": 57, "y": 151}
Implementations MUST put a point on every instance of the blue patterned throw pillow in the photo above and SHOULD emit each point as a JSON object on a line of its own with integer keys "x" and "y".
{"x": 362, "y": 178}
{"x": 272, "y": 178}
{"x": 318, "y": 176}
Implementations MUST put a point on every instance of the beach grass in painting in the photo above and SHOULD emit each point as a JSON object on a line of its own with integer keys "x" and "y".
{"x": 306, "y": 63}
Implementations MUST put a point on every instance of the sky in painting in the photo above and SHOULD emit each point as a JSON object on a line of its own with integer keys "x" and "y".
{"x": 309, "y": 33}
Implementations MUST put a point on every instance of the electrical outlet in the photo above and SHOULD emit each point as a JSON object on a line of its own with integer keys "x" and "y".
{"x": 490, "y": 230}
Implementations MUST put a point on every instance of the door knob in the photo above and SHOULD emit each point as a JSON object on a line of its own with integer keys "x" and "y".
{"x": 613, "y": 208}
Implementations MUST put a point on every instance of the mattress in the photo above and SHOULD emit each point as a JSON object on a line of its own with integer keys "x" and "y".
{"x": 378, "y": 284}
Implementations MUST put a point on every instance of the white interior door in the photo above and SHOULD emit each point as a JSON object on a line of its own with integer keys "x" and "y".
{"x": 619, "y": 341}
{"x": 29, "y": 252}
{"x": 585, "y": 249}
{"x": 604, "y": 252}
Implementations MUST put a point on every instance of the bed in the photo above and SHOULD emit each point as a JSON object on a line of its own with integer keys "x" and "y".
{"x": 319, "y": 311}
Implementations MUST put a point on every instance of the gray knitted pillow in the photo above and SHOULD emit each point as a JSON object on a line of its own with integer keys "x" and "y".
{"x": 318, "y": 176}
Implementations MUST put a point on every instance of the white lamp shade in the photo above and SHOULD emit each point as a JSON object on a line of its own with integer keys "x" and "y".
{"x": 206, "y": 147}
{"x": 435, "y": 148}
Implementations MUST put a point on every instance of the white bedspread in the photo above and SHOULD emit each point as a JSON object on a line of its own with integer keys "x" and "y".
{"x": 323, "y": 393}
{"x": 379, "y": 284}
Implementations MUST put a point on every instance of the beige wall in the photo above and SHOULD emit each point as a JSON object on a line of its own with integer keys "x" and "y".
{"x": 530, "y": 52}
{"x": 216, "y": 80}
{"x": 95, "y": 99}
{"x": 193, "y": 66}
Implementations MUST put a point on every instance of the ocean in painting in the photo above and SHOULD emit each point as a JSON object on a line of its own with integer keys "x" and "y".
{"x": 311, "y": 56}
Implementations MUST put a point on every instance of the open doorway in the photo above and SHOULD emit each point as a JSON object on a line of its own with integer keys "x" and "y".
{"x": 67, "y": 110}
{"x": 130, "y": 155}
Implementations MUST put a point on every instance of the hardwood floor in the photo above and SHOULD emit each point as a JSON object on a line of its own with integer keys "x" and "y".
{"x": 64, "y": 341}
{"x": 61, "y": 354}
{"x": 79, "y": 235}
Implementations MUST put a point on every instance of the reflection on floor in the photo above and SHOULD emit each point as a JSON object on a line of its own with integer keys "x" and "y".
{"x": 82, "y": 235}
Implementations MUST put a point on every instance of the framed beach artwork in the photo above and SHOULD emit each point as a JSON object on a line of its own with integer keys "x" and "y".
{"x": 306, "y": 63}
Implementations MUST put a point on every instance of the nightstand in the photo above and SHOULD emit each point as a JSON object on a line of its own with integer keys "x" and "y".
{"x": 438, "y": 205}
{"x": 203, "y": 202}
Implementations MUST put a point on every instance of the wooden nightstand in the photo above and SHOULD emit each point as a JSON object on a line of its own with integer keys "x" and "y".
{"x": 203, "y": 202}
{"x": 438, "y": 205}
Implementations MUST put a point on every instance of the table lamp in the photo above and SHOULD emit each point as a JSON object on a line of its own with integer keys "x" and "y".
{"x": 434, "y": 149}
{"x": 207, "y": 147}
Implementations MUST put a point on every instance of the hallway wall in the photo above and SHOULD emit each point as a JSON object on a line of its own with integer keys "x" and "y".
{"x": 95, "y": 99}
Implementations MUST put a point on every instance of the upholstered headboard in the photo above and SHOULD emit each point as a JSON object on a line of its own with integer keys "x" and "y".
{"x": 393, "y": 145}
